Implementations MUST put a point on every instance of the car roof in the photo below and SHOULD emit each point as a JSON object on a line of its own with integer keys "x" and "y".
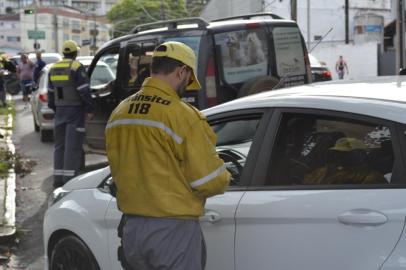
{"x": 381, "y": 97}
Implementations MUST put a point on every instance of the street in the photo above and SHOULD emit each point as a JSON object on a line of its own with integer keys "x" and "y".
{"x": 32, "y": 191}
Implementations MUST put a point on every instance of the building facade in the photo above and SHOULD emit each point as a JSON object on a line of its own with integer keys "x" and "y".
{"x": 55, "y": 25}
{"x": 10, "y": 38}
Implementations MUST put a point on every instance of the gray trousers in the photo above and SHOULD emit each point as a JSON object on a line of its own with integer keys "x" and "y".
{"x": 163, "y": 244}
{"x": 69, "y": 136}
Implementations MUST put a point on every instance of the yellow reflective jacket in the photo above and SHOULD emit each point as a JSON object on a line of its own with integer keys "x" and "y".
{"x": 162, "y": 155}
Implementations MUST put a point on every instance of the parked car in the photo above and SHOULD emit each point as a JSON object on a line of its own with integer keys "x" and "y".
{"x": 237, "y": 56}
{"x": 11, "y": 81}
{"x": 320, "y": 72}
{"x": 278, "y": 212}
{"x": 44, "y": 116}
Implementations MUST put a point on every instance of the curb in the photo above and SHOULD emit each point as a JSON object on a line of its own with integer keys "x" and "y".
{"x": 8, "y": 230}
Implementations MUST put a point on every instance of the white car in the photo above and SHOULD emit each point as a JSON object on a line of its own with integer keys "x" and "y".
{"x": 282, "y": 210}
{"x": 43, "y": 116}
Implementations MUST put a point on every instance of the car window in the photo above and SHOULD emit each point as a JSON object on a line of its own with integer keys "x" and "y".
{"x": 137, "y": 67}
{"x": 234, "y": 140}
{"x": 289, "y": 51}
{"x": 324, "y": 150}
{"x": 104, "y": 73}
{"x": 244, "y": 54}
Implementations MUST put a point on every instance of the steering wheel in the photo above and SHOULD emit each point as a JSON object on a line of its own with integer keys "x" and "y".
{"x": 231, "y": 156}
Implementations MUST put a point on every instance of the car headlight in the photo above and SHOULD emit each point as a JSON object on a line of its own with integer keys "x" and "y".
{"x": 57, "y": 195}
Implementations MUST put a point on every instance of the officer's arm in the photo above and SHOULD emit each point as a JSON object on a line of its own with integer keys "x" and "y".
{"x": 205, "y": 171}
{"x": 51, "y": 93}
{"x": 83, "y": 87}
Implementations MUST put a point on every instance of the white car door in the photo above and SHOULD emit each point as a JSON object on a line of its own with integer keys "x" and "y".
{"x": 310, "y": 213}
{"x": 238, "y": 141}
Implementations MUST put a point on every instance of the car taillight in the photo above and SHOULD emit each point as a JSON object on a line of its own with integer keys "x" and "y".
{"x": 43, "y": 97}
{"x": 211, "y": 93}
{"x": 327, "y": 74}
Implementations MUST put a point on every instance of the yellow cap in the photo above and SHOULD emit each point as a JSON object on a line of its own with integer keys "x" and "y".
{"x": 348, "y": 144}
{"x": 70, "y": 46}
{"x": 183, "y": 53}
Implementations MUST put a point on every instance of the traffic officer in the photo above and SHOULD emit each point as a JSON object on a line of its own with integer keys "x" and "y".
{"x": 163, "y": 160}
{"x": 69, "y": 96}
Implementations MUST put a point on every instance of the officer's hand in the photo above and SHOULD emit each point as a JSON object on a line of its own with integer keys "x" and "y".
{"x": 89, "y": 116}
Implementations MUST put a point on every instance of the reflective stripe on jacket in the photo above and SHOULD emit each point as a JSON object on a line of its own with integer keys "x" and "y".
{"x": 64, "y": 85}
{"x": 162, "y": 155}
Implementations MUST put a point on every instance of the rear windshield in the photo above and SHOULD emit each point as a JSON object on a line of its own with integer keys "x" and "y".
{"x": 288, "y": 51}
{"x": 244, "y": 54}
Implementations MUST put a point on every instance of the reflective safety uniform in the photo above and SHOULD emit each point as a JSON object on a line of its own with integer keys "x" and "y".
{"x": 162, "y": 155}
{"x": 69, "y": 96}
{"x": 338, "y": 175}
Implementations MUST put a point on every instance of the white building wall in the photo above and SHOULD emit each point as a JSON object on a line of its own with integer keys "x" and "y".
{"x": 325, "y": 15}
{"x": 66, "y": 30}
{"x": 330, "y": 51}
{"x": 10, "y": 39}
{"x": 226, "y": 8}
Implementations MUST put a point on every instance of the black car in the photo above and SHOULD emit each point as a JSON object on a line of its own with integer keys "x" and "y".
{"x": 236, "y": 56}
{"x": 320, "y": 72}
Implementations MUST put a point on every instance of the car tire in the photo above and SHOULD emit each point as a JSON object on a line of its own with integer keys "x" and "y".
{"x": 72, "y": 253}
{"x": 36, "y": 126}
{"x": 46, "y": 135}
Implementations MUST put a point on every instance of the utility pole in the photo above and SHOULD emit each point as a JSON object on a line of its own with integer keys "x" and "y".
{"x": 308, "y": 24}
{"x": 35, "y": 25}
{"x": 400, "y": 31}
{"x": 56, "y": 25}
{"x": 347, "y": 30}
{"x": 293, "y": 10}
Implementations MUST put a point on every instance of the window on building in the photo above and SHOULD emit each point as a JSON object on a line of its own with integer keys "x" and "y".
{"x": 65, "y": 23}
{"x": 13, "y": 39}
{"x": 76, "y": 38}
{"x": 66, "y": 37}
{"x": 75, "y": 25}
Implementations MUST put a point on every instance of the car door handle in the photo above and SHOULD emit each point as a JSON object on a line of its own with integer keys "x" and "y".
{"x": 365, "y": 217}
{"x": 210, "y": 216}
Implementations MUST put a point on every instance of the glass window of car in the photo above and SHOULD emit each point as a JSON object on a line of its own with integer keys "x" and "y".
{"x": 244, "y": 54}
{"x": 138, "y": 63}
{"x": 104, "y": 72}
{"x": 234, "y": 140}
{"x": 324, "y": 150}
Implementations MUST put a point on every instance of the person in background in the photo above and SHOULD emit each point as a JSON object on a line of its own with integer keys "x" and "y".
{"x": 341, "y": 66}
{"x": 69, "y": 96}
{"x": 24, "y": 73}
{"x": 39, "y": 65}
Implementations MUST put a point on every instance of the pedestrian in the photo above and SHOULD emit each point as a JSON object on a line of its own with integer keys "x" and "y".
{"x": 24, "y": 73}
{"x": 39, "y": 65}
{"x": 69, "y": 96}
{"x": 163, "y": 161}
{"x": 341, "y": 64}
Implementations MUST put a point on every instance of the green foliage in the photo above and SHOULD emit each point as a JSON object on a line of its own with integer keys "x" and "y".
{"x": 127, "y": 14}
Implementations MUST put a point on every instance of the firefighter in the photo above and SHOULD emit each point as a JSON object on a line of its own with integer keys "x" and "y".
{"x": 163, "y": 160}
{"x": 69, "y": 96}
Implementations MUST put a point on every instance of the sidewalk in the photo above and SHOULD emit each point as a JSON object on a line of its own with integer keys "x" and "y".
{"x": 7, "y": 185}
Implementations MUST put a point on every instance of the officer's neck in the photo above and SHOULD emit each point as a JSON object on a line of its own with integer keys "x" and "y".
{"x": 168, "y": 79}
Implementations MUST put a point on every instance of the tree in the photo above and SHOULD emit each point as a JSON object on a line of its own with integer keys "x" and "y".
{"x": 127, "y": 14}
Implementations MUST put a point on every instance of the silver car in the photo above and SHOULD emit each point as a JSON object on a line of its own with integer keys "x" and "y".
{"x": 43, "y": 116}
